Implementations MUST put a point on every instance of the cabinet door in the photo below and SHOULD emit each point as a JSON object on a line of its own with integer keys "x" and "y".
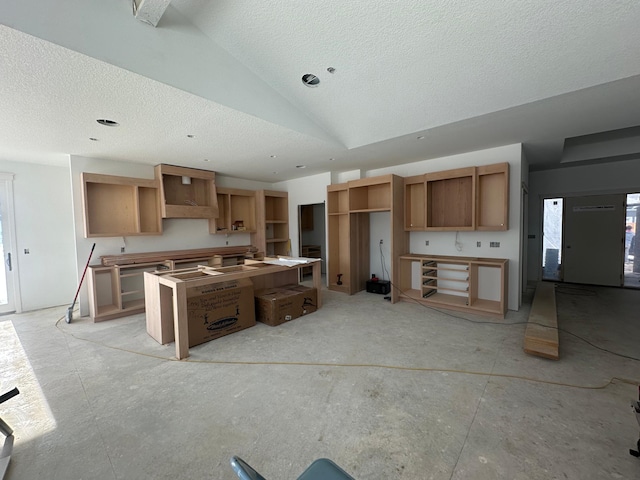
{"x": 492, "y": 199}
{"x": 415, "y": 203}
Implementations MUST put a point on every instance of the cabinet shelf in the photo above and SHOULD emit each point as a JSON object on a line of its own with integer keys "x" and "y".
{"x": 272, "y": 212}
{"x": 132, "y": 292}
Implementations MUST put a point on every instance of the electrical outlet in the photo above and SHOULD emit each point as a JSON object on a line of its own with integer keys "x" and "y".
{"x": 380, "y": 241}
{"x": 494, "y": 244}
{"x": 478, "y": 244}
{"x": 26, "y": 251}
{"x": 426, "y": 243}
{"x": 121, "y": 249}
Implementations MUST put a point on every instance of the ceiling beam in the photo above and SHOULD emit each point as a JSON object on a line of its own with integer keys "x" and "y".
{"x": 150, "y": 11}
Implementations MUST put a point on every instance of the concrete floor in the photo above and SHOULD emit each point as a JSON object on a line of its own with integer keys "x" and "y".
{"x": 386, "y": 391}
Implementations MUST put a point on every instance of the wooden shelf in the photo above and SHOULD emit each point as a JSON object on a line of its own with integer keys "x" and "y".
{"x": 272, "y": 219}
{"x": 194, "y": 198}
{"x": 236, "y": 212}
{"x": 349, "y": 206}
{"x": 337, "y": 199}
{"x": 120, "y": 206}
{"x": 370, "y": 194}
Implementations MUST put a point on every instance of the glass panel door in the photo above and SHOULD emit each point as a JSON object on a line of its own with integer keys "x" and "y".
{"x": 8, "y": 263}
{"x": 552, "y": 239}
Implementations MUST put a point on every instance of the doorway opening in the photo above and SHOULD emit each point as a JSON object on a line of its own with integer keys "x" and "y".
{"x": 632, "y": 243}
{"x": 552, "y": 209}
{"x": 312, "y": 234}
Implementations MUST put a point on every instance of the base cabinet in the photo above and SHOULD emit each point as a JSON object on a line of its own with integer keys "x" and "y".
{"x": 459, "y": 283}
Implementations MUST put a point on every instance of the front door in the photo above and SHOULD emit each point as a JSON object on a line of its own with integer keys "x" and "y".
{"x": 593, "y": 247}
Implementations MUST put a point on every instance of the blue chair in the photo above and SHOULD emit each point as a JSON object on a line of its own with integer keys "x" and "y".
{"x": 321, "y": 469}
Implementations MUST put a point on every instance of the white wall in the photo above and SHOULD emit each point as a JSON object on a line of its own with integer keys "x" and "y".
{"x": 612, "y": 177}
{"x": 44, "y": 226}
{"x": 178, "y": 233}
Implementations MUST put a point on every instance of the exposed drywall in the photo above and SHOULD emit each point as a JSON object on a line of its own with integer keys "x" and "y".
{"x": 178, "y": 233}
{"x": 600, "y": 179}
{"x": 44, "y": 226}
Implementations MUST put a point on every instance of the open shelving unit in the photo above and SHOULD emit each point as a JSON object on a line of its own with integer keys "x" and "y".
{"x": 272, "y": 234}
{"x": 235, "y": 207}
{"x": 458, "y": 283}
{"x": 120, "y": 206}
{"x": 349, "y": 205}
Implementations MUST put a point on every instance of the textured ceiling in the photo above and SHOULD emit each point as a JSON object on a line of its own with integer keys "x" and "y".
{"x": 465, "y": 75}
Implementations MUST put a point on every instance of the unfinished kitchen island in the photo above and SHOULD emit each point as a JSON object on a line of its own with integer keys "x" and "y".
{"x": 166, "y": 292}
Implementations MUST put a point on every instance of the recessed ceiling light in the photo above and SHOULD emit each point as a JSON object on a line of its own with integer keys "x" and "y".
{"x": 310, "y": 80}
{"x": 301, "y": 166}
{"x": 93, "y": 139}
{"x": 331, "y": 70}
{"x": 206, "y": 160}
{"x": 275, "y": 173}
{"x": 190, "y": 136}
{"x": 273, "y": 156}
{"x": 107, "y": 123}
{"x": 331, "y": 159}
{"x": 421, "y": 137}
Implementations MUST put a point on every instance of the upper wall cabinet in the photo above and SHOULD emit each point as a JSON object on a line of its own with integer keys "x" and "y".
{"x": 492, "y": 201}
{"x": 237, "y": 212}
{"x": 415, "y": 214}
{"x": 472, "y": 198}
{"x": 187, "y": 192}
{"x": 120, "y": 206}
{"x": 450, "y": 199}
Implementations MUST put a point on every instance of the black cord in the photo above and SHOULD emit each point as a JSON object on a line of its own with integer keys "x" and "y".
{"x": 383, "y": 264}
{"x": 488, "y": 322}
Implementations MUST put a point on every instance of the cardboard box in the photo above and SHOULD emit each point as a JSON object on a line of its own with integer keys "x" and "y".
{"x": 219, "y": 309}
{"x": 281, "y": 304}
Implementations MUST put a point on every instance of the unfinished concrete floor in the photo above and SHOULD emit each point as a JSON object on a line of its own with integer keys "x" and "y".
{"x": 387, "y": 391}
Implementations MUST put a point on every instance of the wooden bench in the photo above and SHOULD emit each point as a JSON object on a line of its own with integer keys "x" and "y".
{"x": 541, "y": 335}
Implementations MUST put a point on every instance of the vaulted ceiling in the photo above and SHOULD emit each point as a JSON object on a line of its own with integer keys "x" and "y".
{"x": 217, "y": 84}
